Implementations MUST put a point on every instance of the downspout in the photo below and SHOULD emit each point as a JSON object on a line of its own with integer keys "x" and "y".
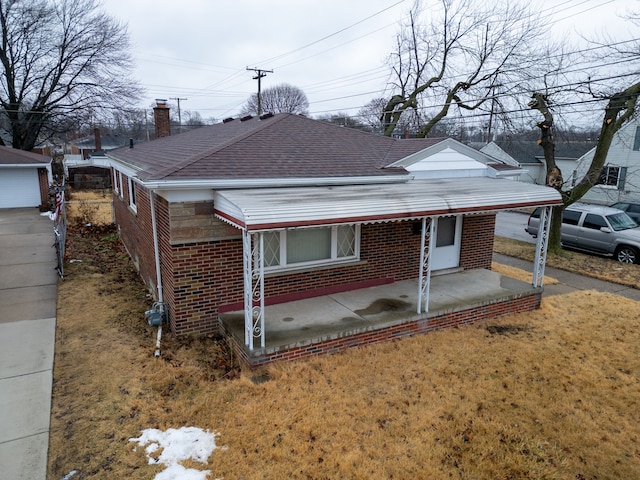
{"x": 156, "y": 253}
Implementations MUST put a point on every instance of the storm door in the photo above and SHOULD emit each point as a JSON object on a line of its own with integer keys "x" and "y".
{"x": 446, "y": 254}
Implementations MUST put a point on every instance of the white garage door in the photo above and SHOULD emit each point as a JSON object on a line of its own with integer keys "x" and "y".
{"x": 19, "y": 187}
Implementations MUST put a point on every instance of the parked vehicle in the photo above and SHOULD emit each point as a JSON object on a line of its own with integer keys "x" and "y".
{"x": 597, "y": 229}
{"x": 631, "y": 209}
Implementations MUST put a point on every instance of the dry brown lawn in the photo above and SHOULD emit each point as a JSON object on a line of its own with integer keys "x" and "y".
{"x": 551, "y": 394}
{"x": 594, "y": 266}
{"x": 90, "y": 206}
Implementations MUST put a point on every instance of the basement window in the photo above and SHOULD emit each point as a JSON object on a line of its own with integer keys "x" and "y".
{"x": 301, "y": 247}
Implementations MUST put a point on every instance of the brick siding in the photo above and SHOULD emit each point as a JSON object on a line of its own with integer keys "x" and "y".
{"x": 43, "y": 182}
{"x": 476, "y": 246}
{"x": 203, "y": 276}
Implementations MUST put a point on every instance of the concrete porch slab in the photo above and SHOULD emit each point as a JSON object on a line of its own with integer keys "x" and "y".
{"x": 306, "y": 322}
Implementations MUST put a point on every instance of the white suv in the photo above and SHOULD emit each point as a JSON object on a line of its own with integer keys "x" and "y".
{"x": 597, "y": 229}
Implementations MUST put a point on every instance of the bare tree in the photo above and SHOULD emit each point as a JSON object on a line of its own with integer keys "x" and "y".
{"x": 618, "y": 94}
{"x": 459, "y": 56}
{"x": 282, "y": 98}
{"x": 621, "y": 107}
{"x": 60, "y": 59}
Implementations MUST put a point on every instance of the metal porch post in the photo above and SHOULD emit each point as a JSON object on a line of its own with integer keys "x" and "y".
{"x": 541, "y": 247}
{"x": 253, "y": 265}
{"x": 424, "y": 280}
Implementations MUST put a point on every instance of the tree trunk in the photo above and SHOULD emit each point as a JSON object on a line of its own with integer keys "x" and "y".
{"x": 554, "y": 175}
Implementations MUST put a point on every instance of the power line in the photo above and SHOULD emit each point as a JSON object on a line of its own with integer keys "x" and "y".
{"x": 260, "y": 75}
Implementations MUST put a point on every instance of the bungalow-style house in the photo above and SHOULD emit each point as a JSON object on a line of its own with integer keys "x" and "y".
{"x": 620, "y": 177}
{"x": 296, "y": 237}
{"x": 24, "y": 179}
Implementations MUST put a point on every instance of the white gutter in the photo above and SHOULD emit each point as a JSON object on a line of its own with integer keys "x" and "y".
{"x": 25, "y": 165}
{"x": 156, "y": 252}
{"x": 222, "y": 184}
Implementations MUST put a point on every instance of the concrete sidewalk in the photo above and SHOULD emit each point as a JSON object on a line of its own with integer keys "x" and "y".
{"x": 28, "y": 289}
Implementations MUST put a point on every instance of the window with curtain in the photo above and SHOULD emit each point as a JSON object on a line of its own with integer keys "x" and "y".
{"x": 311, "y": 246}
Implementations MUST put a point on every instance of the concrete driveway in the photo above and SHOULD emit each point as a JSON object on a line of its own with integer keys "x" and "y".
{"x": 28, "y": 289}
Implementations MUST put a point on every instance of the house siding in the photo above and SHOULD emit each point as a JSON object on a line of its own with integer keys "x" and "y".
{"x": 136, "y": 231}
{"x": 620, "y": 154}
{"x": 476, "y": 247}
{"x": 205, "y": 277}
{"x": 43, "y": 182}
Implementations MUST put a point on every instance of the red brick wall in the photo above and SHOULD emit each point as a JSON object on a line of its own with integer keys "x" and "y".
{"x": 476, "y": 247}
{"x": 200, "y": 279}
{"x": 136, "y": 230}
{"x": 43, "y": 181}
{"x": 431, "y": 323}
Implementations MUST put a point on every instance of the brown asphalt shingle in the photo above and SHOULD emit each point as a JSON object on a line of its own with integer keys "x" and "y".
{"x": 13, "y": 156}
{"x": 280, "y": 146}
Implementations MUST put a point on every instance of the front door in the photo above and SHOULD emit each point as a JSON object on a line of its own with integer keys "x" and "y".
{"x": 448, "y": 232}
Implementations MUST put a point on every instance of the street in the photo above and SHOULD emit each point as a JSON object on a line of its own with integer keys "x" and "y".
{"x": 512, "y": 224}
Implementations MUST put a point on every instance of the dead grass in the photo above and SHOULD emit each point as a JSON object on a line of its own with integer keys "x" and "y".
{"x": 519, "y": 274}
{"x": 90, "y": 206}
{"x": 551, "y": 394}
{"x": 593, "y": 266}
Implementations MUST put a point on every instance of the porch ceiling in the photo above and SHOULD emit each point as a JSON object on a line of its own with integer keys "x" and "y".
{"x": 272, "y": 208}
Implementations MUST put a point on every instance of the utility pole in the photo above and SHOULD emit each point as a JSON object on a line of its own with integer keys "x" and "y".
{"x": 260, "y": 74}
{"x": 491, "y": 113}
{"x": 179, "y": 116}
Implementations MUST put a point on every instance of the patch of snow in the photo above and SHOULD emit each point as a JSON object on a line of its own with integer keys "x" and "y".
{"x": 69, "y": 475}
{"x": 178, "y": 444}
{"x": 178, "y": 472}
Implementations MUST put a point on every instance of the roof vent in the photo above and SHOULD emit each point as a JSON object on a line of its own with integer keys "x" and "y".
{"x": 266, "y": 115}
{"x": 248, "y": 117}
{"x": 227, "y": 120}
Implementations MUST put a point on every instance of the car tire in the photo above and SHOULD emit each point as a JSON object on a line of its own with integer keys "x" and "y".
{"x": 627, "y": 254}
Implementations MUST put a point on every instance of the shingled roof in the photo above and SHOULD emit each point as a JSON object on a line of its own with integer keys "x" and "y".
{"x": 13, "y": 156}
{"x": 278, "y": 146}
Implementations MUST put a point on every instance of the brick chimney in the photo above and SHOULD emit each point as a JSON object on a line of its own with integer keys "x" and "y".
{"x": 161, "y": 119}
{"x": 96, "y": 134}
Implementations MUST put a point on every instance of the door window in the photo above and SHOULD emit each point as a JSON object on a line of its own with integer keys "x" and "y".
{"x": 594, "y": 221}
{"x": 446, "y": 234}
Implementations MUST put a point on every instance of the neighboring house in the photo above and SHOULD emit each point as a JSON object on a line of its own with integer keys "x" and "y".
{"x": 98, "y": 142}
{"x": 528, "y": 155}
{"x": 230, "y": 220}
{"x": 86, "y": 166}
{"x": 620, "y": 177}
{"x": 24, "y": 179}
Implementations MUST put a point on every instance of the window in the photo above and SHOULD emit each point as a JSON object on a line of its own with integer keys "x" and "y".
{"x": 119, "y": 182}
{"x": 636, "y": 140}
{"x": 612, "y": 177}
{"x": 621, "y": 221}
{"x": 570, "y": 217}
{"x": 132, "y": 195}
{"x": 595, "y": 222}
{"x": 311, "y": 246}
{"x": 116, "y": 180}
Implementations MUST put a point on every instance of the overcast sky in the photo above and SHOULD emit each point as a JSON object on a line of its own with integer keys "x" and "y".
{"x": 334, "y": 50}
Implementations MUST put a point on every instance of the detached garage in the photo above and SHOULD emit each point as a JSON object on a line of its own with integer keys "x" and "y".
{"x": 24, "y": 179}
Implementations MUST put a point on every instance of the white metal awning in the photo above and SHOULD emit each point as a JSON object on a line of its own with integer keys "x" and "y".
{"x": 274, "y": 208}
